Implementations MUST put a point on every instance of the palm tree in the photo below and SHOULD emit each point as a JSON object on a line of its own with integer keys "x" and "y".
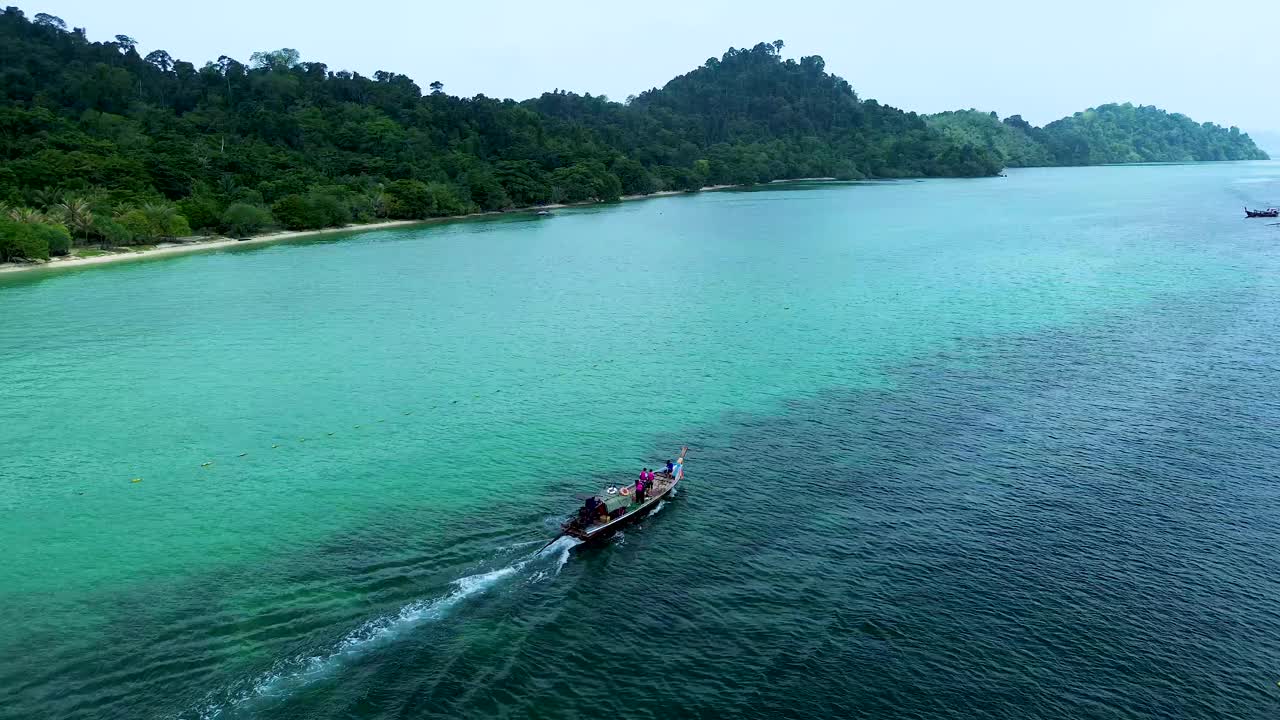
{"x": 377, "y": 200}
{"x": 26, "y": 215}
{"x": 227, "y": 185}
{"x": 160, "y": 217}
{"x": 78, "y": 215}
{"x": 46, "y": 197}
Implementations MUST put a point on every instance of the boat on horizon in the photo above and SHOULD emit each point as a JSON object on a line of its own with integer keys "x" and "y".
{"x": 603, "y": 514}
{"x": 1268, "y": 213}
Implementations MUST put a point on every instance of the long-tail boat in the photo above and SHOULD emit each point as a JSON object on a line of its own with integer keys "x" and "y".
{"x": 605, "y": 513}
{"x": 1268, "y": 213}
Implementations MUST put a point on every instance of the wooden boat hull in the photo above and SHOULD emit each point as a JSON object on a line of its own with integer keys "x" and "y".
{"x": 598, "y": 535}
{"x": 615, "y": 504}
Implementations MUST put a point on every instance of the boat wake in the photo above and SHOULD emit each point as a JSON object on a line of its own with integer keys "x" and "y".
{"x": 290, "y": 675}
{"x": 525, "y": 543}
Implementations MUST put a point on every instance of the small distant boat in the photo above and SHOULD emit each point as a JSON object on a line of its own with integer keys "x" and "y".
{"x": 603, "y": 514}
{"x": 1268, "y": 213}
{"x": 544, "y": 213}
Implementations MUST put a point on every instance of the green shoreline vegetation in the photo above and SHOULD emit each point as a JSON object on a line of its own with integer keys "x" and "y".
{"x": 1106, "y": 135}
{"x": 104, "y": 147}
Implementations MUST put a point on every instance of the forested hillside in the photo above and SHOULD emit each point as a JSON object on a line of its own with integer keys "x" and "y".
{"x": 1011, "y": 142}
{"x": 123, "y": 149}
{"x": 99, "y": 145}
{"x": 1107, "y": 134}
{"x": 1141, "y": 133}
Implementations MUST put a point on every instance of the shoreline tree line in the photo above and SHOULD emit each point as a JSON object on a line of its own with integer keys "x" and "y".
{"x": 101, "y": 145}
{"x": 1106, "y": 135}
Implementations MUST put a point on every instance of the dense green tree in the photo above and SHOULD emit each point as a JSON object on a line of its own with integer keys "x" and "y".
{"x": 203, "y": 212}
{"x": 635, "y": 180}
{"x": 243, "y": 219}
{"x": 110, "y": 232}
{"x": 1107, "y": 134}
{"x": 14, "y": 245}
{"x": 485, "y": 189}
{"x": 410, "y": 200}
{"x": 282, "y": 59}
{"x": 17, "y": 243}
{"x": 331, "y": 206}
{"x": 318, "y": 208}
{"x": 446, "y": 200}
{"x": 52, "y": 21}
{"x": 160, "y": 59}
{"x": 416, "y": 200}
{"x": 32, "y": 240}
{"x": 137, "y": 227}
{"x": 524, "y": 181}
{"x": 162, "y": 222}
{"x": 585, "y": 181}
{"x": 373, "y": 203}
{"x": 77, "y": 215}
{"x": 1014, "y": 142}
{"x": 293, "y": 212}
{"x": 56, "y": 237}
{"x": 573, "y": 184}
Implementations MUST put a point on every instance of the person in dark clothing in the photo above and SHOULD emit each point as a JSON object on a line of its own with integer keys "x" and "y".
{"x": 670, "y": 466}
{"x": 589, "y": 510}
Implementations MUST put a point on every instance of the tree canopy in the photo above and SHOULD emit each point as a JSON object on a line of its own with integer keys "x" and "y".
{"x": 114, "y": 148}
{"x": 228, "y": 144}
{"x": 1141, "y": 133}
{"x": 1106, "y": 134}
{"x": 1010, "y": 141}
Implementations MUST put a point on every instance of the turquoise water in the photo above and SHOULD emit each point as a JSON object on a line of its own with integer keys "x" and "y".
{"x": 993, "y": 447}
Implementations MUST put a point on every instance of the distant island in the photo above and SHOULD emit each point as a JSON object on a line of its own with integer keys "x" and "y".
{"x": 102, "y": 146}
{"x": 1108, "y": 134}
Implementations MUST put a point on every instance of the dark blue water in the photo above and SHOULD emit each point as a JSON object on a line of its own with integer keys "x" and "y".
{"x": 1075, "y": 524}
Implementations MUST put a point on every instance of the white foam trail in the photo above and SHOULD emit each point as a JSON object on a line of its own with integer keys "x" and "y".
{"x": 658, "y": 508}
{"x": 514, "y": 546}
{"x": 295, "y": 673}
{"x": 565, "y": 548}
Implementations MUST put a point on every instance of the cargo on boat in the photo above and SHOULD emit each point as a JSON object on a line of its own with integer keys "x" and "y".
{"x": 603, "y": 514}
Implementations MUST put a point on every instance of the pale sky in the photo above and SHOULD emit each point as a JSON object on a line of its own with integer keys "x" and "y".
{"x": 1042, "y": 60}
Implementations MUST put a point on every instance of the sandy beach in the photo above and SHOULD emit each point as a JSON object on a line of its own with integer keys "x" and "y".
{"x": 215, "y": 243}
{"x": 192, "y": 245}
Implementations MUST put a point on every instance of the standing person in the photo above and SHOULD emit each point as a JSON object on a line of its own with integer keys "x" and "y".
{"x": 641, "y": 485}
{"x": 589, "y": 511}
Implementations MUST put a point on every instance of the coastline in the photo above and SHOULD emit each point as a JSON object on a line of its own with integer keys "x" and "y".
{"x": 195, "y": 245}
{"x": 219, "y": 242}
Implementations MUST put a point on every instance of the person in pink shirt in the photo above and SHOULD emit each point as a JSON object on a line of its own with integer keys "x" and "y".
{"x": 642, "y": 484}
